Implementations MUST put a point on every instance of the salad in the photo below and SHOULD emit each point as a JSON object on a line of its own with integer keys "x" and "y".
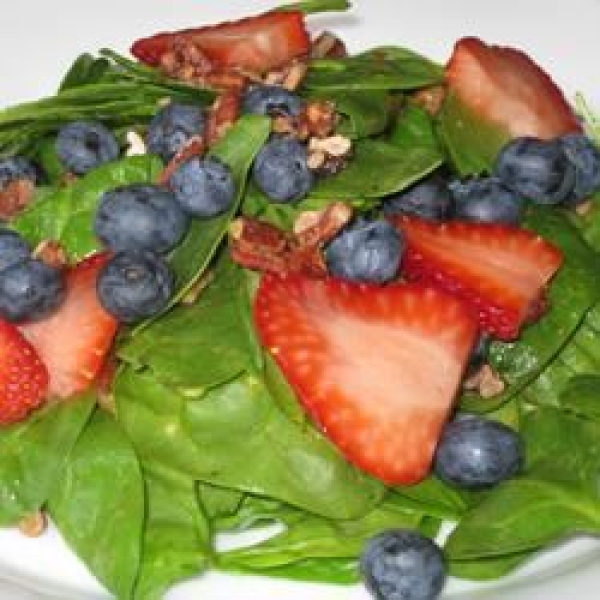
{"x": 247, "y": 279}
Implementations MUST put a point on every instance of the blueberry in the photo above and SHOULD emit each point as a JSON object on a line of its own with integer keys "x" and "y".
{"x": 281, "y": 170}
{"x": 18, "y": 167}
{"x": 486, "y": 200}
{"x": 133, "y": 286}
{"x": 538, "y": 170}
{"x": 584, "y": 155}
{"x": 271, "y": 100}
{"x": 172, "y": 127}
{"x": 476, "y": 453}
{"x": 29, "y": 290}
{"x": 203, "y": 187}
{"x": 85, "y": 145}
{"x": 365, "y": 251}
{"x": 403, "y": 565}
{"x": 13, "y": 248}
{"x": 428, "y": 199}
{"x": 140, "y": 217}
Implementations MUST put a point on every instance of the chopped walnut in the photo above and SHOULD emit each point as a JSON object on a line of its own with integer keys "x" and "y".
{"x": 136, "y": 146}
{"x": 295, "y": 76}
{"x": 430, "y": 98}
{"x": 327, "y": 45}
{"x": 15, "y": 197}
{"x": 259, "y": 245}
{"x": 195, "y": 146}
{"x": 222, "y": 115}
{"x": 335, "y": 145}
{"x": 584, "y": 208}
{"x": 486, "y": 382}
{"x": 33, "y": 525}
{"x": 320, "y": 117}
{"x": 52, "y": 253}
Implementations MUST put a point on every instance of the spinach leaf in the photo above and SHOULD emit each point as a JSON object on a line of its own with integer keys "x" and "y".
{"x": 67, "y": 214}
{"x": 237, "y": 437}
{"x": 488, "y": 569}
{"x": 34, "y": 454}
{"x": 384, "y": 68}
{"x": 581, "y": 395}
{"x": 219, "y": 502}
{"x": 589, "y": 222}
{"x": 85, "y": 69}
{"x": 573, "y": 291}
{"x": 377, "y": 169}
{"x": 98, "y": 505}
{"x": 414, "y": 127}
{"x": 325, "y": 570}
{"x": 237, "y": 149}
{"x": 176, "y": 539}
{"x": 316, "y": 6}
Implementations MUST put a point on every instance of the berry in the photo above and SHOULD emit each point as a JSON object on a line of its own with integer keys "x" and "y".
{"x": 486, "y": 200}
{"x": 13, "y": 248}
{"x": 584, "y": 155}
{"x": 476, "y": 453}
{"x": 271, "y": 100}
{"x": 140, "y": 217}
{"x": 29, "y": 290}
{"x": 75, "y": 340}
{"x": 429, "y": 199}
{"x": 366, "y": 251}
{"x": 536, "y": 169}
{"x": 281, "y": 170}
{"x": 135, "y": 285}
{"x": 257, "y": 44}
{"x": 203, "y": 187}
{"x": 507, "y": 91}
{"x": 402, "y": 564}
{"x": 172, "y": 127}
{"x": 377, "y": 367}
{"x": 501, "y": 271}
{"x": 23, "y": 376}
{"x": 85, "y": 145}
{"x": 18, "y": 167}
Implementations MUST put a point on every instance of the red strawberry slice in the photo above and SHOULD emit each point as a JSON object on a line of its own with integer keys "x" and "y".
{"x": 23, "y": 376}
{"x": 502, "y": 271}
{"x": 74, "y": 341}
{"x": 258, "y": 43}
{"x": 376, "y": 367}
{"x": 507, "y": 88}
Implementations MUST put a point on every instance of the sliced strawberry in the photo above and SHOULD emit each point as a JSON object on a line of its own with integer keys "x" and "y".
{"x": 258, "y": 43}
{"x": 506, "y": 88}
{"x": 74, "y": 341}
{"x": 23, "y": 376}
{"x": 376, "y": 367}
{"x": 502, "y": 271}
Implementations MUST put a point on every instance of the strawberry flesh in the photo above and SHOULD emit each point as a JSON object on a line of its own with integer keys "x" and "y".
{"x": 258, "y": 43}
{"x": 23, "y": 376}
{"x": 377, "y": 368}
{"x": 506, "y": 88}
{"x": 75, "y": 340}
{"x": 500, "y": 270}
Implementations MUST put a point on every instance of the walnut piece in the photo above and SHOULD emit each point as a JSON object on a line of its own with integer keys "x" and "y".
{"x": 33, "y": 525}
{"x": 430, "y": 98}
{"x": 486, "y": 382}
{"x": 15, "y": 197}
{"x": 52, "y": 252}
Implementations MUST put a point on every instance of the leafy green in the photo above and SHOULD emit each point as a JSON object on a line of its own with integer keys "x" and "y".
{"x": 591, "y": 119}
{"x": 581, "y": 395}
{"x": 414, "y": 127}
{"x": 67, "y": 214}
{"x": 316, "y": 6}
{"x": 98, "y": 505}
{"x": 85, "y": 69}
{"x": 34, "y": 454}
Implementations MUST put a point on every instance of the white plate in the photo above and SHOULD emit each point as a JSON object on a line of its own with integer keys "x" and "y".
{"x": 39, "y": 41}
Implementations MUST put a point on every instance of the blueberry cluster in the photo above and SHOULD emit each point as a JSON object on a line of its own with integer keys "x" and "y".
{"x": 30, "y": 289}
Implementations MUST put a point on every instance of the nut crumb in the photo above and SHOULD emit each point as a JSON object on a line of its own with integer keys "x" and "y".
{"x": 15, "y": 197}
{"x": 136, "y": 146}
{"x": 51, "y": 252}
{"x": 584, "y": 208}
{"x": 486, "y": 382}
{"x": 335, "y": 145}
{"x": 33, "y": 525}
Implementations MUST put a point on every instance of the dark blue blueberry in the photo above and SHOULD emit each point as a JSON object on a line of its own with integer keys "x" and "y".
{"x": 203, "y": 187}
{"x": 140, "y": 217}
{"x": 585, "y": 156}
{"x": 477, "y": 453}
{"x": 281, "y": 170}
{"x": 365, "y": 251}
{"x": 402, "y": 564}
{"x": 486, "y": 200}
{"x": 133, "y": 286}
{"x": 172, "y": 127}
{"x": 538, "y": 170}
{"x": 428, "y": 199}
{"x": 29, "y": 290}
{"x": 85, "y": 145}
{"x": 271, "y": 100}
{"x": 13, "y": 248}
{"x": 18, "y": 167}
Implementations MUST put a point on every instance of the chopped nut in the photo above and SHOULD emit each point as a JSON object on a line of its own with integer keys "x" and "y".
{"x": 106, "y": 401}
{"x": 52, "y": 253}
{"x": 320, "y": 117}
{"x": 430, "y": 98}
{"x": 316, "y": 159}
{"x": 336, "y": 145}
{"x": 584, "y": 208}
{"x": 33, "y": 525}
{"x": 195, "y": 146}
{"x": 327, "y": 45}
{"x": 295, "y": 76}
{"x": 136, "y": 146}
{"x": 15, "y": 197}
{"x": 486, "y": 382}
{"x": 222, "y": 115}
